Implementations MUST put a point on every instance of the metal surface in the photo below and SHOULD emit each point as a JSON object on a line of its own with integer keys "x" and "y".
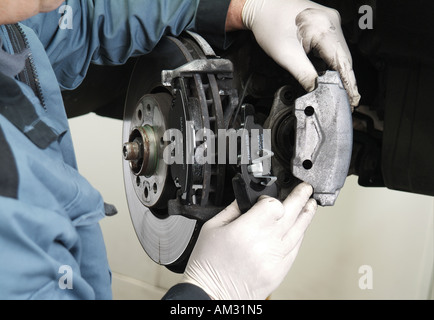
{"x": 206, "y": 66}
{"x": 164, "y": 238}
{"x": 177, "y": 91}
{"x": 312, "y": 139}
{"x": 145, "y": 148}
{"x": 254, "y": 178}
{"x": 324, "y": 138}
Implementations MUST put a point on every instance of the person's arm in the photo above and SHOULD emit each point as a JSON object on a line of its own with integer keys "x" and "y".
{"x": 234, "y": 19}
{"x": 112, "y": 31}
{"x": 186, "y": 291}
{"x": 288, "y": 30}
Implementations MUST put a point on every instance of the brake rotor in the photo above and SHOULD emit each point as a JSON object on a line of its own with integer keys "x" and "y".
{"x": 158, "y": 193}
{"x": 164, "y": 238}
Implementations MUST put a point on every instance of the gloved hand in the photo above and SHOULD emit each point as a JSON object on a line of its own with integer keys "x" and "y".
{"x": 248, "y": 256}
{"x": 287, "y": 30}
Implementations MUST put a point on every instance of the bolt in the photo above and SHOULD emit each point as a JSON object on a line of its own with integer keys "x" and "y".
{"x": 131, "y": 151}
{"x": 141, "y": 151}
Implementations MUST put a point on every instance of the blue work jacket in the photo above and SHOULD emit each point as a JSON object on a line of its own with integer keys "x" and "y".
{"x": 51, "y": 245}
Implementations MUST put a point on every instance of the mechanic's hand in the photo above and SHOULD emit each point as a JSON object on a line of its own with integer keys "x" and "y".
{"x": 287, "y": 30}
{"x": 248, "y": 256}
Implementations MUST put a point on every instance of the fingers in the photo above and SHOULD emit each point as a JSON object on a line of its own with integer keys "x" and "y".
{"x": 295, "y": 202}
{"x": 345, "y": 69}
{"x": 299, "y": 212}
{"x": 229, "y": 214}
{"x": 336, "y": 55}
{"x": 320, "y": 30}
{"x": 267, "y": 209}
{"x": 298, "y": 64}
{"x": 296, "y": 233}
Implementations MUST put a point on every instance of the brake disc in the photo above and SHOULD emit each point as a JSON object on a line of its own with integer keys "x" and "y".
{"x": 169, "y": 203}
{"x": 164, "y": 238}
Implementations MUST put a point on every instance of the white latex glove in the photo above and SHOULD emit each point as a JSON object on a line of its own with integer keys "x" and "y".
{"x": 247, "y": 256}
{"x": 287, "y": 30}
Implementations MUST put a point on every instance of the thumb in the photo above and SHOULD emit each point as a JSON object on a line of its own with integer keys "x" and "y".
{"x": 294, "y": 59}
{"x": 229, "y": 214}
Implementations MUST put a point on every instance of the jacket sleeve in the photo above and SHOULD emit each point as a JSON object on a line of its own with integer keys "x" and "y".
{"x": 110, "y": 32}
{"x": 186, "y": 291}
{"x": 44, "y": 257}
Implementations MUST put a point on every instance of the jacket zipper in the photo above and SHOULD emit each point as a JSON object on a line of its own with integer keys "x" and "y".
{"x": 29, "y": 75}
